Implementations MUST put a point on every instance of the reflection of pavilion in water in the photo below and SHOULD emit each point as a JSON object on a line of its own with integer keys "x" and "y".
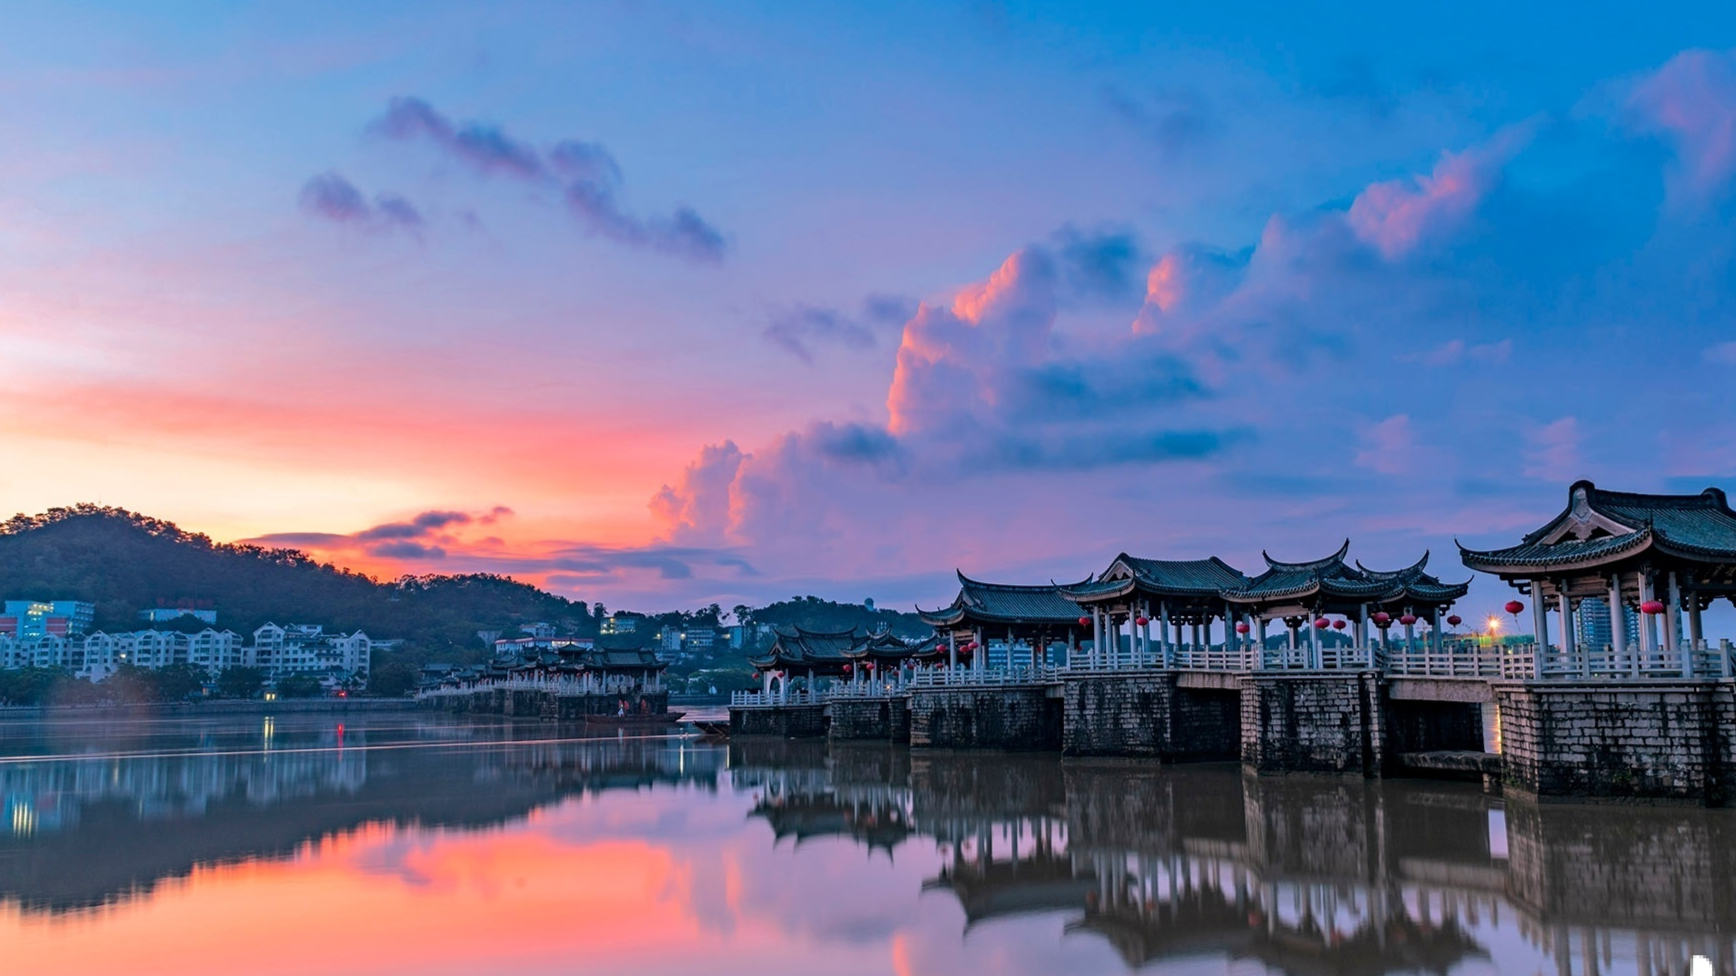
{"x": 1303, "y": 875}
{"x": 86, "y": 832}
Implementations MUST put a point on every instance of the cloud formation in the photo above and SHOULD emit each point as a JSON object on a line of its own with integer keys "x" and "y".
{"x": 422, "y": 537}
{"x": 1691, "y": 101}
{"x": 330, "y": 196}
{"x": 586, "y": 175}
{"x": 800, "y": 330}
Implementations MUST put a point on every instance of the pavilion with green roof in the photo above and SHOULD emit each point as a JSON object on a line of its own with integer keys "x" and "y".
{"x": 1667, "y": 556}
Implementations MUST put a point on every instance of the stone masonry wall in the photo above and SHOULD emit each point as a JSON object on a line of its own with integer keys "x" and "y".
{"x": 1013, "y": 719}
{"x": 1118, "y": 715}
{"x": 863, "y": 719}
{"x": 1650, "y": 739}
{"x": 783, "y": 721}
{"x": 1312, "y": 723}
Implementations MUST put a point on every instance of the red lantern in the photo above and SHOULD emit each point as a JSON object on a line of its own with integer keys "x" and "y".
{"x": 1454, "y": 620}
{"x": 1651, "y": 608}
{"x": 1242, "y": 628}
{"x": 1381, "y": 618}
{"x": 1337, "y": 625}
{"x": 870, "y": 665}
{"x": 1321, "y": 623}
{"x": 1084, "y": 621}
{"x": 1408, "y": 619}
{"x": 848, "y": 669}
{"x": 1514, "y": 606}
{"x": 1142, "y": 621}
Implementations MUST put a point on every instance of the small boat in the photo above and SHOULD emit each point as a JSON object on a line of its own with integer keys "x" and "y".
{"x": 712, "y": 728}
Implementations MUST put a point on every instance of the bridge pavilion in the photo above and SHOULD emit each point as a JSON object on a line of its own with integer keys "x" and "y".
{"x": 1174, "y": 594}
{"x": 1660, "y": 554}
{"x": 1038, "y": 616}
{"x": 1304, "y": 595}
{"x": 838, "y": 655}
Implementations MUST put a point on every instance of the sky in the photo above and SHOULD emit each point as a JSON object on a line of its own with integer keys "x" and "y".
{"x": 665, "y": 304}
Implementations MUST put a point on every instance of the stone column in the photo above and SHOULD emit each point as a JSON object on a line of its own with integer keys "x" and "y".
{"x": 1696, "y": 632}
{"x": 1567, "y": 644}
{"x": 1313, "y": 643}
{"x": 1539, "y": 629}
{"x": 1673, "y": 626}
{"x": 1163, "y": 637}
{"x": 1647, "y": 642}
{"x": 951, "y": 650}
{"x": 1260, "y": 649}
{"x": 1096, "y": 634}
{"x": 1618, "y": 628}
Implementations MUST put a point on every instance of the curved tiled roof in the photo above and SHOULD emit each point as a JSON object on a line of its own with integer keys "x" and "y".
{"x": 1005, "y": 603}
{"x": 1330, "y": 579}
{"x": 1599, "y": 527}
{"x": 1165, "y": 577}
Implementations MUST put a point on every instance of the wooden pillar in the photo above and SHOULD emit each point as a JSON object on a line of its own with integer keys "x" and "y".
{"x": 1696, "y": 632}
{"x": 1435, "y": 642}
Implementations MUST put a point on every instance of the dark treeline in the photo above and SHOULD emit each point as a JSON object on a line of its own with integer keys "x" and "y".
{"x": 124, "y": 562}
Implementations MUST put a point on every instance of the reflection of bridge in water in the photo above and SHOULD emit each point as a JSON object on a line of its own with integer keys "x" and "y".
{"x": 1306, "y": 875}
{"x": 93, "y": 830}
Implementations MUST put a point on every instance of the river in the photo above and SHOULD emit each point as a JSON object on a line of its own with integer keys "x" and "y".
{"x": 394, "y": 843}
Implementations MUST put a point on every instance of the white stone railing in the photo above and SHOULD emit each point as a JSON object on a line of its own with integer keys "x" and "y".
{"x": 775, "y": 698}
{"x": 964, "y": 676}
{"x": 560, "y": 686}
{"x": 1519, "y": 662}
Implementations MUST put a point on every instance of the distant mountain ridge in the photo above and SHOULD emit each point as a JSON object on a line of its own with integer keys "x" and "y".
{"x": 124, "y": 562}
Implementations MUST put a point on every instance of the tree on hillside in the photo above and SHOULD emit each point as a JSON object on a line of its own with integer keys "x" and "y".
{"x": 240, "y": 682}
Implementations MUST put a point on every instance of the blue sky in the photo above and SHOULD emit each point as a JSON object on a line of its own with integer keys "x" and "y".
{"x": 678, "y": 303}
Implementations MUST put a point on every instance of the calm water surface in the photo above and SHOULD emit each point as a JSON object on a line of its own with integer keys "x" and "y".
{"x": 390, "y": 844}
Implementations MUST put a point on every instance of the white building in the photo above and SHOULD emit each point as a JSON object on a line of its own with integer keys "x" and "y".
{"x": 295, "y": 648}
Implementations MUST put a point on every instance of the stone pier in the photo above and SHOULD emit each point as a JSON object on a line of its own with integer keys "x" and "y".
{"x": 864, "y": 719}
{"x": 1313, "y": 722}
{"x": 1645, "y": 739}
{"x": 1014, "y": 719}
{"x": 1166, "y": 715}
{"x": 779, "y": 721}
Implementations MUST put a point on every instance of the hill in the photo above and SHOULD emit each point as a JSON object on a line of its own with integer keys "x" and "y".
{"x": 124, "y": 562}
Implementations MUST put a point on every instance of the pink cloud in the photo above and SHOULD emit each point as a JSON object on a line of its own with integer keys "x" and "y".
{"x": 1554, "y": 451}
{"x": 1692, "y": 101}
{"x": 1397, "y": 215}
{"x": 1390, "y": 446}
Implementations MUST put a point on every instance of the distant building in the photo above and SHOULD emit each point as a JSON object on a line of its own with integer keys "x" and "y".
{"x": 620, "y": 624}
{"x": 512, "y": 646}
{"x": 1593, "y": 625}
{"x": 36, "y": 618}
{"x": 164, "y": 614}
{"x": 699, "y": 640}
{"x": 307, "y": 648}
{"x": 670, "y": 639}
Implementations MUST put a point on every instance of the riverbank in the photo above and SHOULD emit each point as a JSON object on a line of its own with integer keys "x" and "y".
{"x": 223, "y": 707}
